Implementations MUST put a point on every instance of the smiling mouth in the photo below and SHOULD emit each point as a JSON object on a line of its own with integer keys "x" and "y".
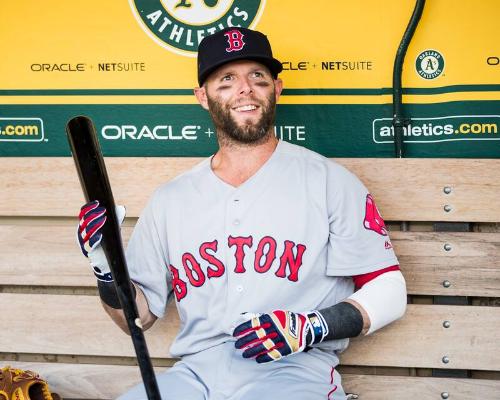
{"x": 247, "y": 107}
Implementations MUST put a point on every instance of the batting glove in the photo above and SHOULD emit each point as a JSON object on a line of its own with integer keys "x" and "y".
{"x": 89, "y": 235}
{"x": 272, "y": 336}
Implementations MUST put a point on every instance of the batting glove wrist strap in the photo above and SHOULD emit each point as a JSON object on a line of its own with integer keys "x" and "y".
{"x": 318, "y": 327}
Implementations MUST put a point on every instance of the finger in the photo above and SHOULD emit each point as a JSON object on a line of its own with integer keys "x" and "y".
{"x": 247, "y": 327}
{"x": 263, "y": 347}
{"x": 81, "y": 243}
{"x": 255, "y": 351}
{"x": 254, "y": 338}
{"x": 90, "y": 245}
{"x": 246, "y": 340}
{"x": 92, "y": 215}
{"x": 92, "y": 227}
{"x": 274, "y": 353}
{"x": 95, "y": 240}
{"x": 265, "y": 358}
{"x": 120, "y": 214}
{"x": 88, "y": 207}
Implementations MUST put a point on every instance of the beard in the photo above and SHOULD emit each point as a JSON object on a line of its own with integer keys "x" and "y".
{"x": 249, "y": 133}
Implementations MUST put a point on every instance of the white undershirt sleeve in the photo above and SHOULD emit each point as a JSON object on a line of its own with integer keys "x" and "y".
{"x": 383, "y": 299}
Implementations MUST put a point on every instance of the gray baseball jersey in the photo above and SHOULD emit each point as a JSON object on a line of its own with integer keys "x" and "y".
{"x": 289, "y": 237}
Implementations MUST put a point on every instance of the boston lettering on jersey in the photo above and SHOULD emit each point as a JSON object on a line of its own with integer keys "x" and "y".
{"x": 288, "y": 263}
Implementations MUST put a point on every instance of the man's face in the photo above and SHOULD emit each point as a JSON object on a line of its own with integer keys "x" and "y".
{"x": 241, "y": 98}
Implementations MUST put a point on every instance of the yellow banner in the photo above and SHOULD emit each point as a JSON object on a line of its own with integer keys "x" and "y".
{"x": 118, "y": 44}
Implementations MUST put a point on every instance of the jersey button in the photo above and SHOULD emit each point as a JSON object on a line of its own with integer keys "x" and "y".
{"x": 236, "y": 222}
{"x": 239, "y": 288}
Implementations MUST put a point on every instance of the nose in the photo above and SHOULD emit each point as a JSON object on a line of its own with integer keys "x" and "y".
{"x": 245, "y": 86}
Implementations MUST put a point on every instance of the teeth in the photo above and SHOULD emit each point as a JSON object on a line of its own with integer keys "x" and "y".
{"x": 246, "y": 108}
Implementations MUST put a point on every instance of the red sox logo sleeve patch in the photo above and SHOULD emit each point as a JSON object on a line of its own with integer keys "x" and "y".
{"x": 373, "y": 221}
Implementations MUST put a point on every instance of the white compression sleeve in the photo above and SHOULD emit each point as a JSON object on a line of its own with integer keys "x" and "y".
{"x": 383, "y": 299}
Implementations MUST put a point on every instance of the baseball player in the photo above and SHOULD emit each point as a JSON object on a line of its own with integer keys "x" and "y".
{"x": 274, "y": 254}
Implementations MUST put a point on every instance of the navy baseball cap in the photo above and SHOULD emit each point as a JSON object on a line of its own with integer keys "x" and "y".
{"x": 231, "y": 44}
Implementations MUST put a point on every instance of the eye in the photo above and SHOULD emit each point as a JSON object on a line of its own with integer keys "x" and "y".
{"x": 258, "y": 74}
{"x": 227, "y": 77}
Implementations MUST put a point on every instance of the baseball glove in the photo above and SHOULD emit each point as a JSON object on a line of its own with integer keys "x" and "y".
{"x": 16, "y": 384}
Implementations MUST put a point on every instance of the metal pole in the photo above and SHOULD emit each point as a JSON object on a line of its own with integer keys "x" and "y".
{"x": 399, "y": 121}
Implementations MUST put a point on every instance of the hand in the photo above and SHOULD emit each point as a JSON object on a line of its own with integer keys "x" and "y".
{"x": 269, "y": 337}
{"x": 91, "y": 220}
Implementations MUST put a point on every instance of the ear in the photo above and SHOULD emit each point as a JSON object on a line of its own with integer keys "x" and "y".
{"x": 201, "y": 96}
{"x": 278, "y": 88}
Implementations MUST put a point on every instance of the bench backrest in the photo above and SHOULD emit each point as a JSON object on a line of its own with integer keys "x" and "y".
{"x": 50, "y": 306}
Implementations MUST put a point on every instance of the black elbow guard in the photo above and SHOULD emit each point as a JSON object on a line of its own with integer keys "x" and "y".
{"x": 343, "y": 320}
{"x": 109, "y": 295}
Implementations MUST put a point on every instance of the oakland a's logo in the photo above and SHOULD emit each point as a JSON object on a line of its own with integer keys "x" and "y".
{"x": 429, "y": 64}
{"x": 180, "y": 25}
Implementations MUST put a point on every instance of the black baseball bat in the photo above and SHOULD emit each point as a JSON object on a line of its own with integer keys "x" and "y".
{"x": 95, "y": 184}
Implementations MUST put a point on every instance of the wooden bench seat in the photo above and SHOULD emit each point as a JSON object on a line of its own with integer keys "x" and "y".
{"x": 89, "y": 381}
{"x": 57, "y": 327}
{"x": 75, "y": 325}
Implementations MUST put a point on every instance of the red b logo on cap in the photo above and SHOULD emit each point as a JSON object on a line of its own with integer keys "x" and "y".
{"x": 235, "y": 40}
